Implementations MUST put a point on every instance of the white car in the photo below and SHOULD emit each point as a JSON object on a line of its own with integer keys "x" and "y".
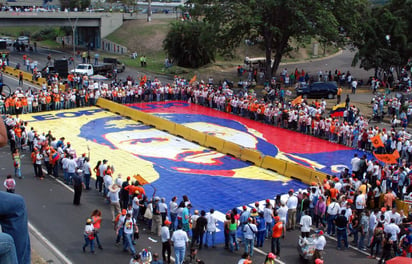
{"x": 8, "y": 40}
{"x": 24, "y": 40}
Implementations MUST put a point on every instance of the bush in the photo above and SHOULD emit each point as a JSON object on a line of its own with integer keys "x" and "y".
{"x": 190, "y": 44}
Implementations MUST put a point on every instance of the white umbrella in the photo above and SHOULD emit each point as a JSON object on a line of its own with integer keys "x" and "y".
{"x": 98, "y": 77}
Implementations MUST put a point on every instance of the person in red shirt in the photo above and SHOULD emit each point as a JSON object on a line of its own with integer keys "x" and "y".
{"x": 96, "y": 217}
{"x": 277, "y": 232}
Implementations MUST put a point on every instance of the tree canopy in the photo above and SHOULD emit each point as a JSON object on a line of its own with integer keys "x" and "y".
{"x": 385, "y": 39}
{"x": 275, "y": 22}
{"x": 190, "y": 43}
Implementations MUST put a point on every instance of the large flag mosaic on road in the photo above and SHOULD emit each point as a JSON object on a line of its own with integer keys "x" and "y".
{"x": 171, "y": 164}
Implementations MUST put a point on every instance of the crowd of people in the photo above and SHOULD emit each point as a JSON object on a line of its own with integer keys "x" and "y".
{"x": 346, "y": 204}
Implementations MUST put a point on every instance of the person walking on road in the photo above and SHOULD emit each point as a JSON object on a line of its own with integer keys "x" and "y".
{"x": 341, "y": 223}
{"x": 180, "y": 241}
{"x": 292, "y": 204}
{"x": 320, "y": 243}
{"x": 17, "y": 163}
{"x": 10, "y": 184}
{"x": 250, "y": 230}
{"x": 96, "y": 221}
{"x": 113, "y": 197}
{"x": 78, "y": 186}
{"x": 211, "y": 228}
{"x": 277, "y": 231}
{"x": 166, "y": 242}
{"x": 130, "y": 227}
{"x": 89, "y": 236}
{"x": 99, "y": 177}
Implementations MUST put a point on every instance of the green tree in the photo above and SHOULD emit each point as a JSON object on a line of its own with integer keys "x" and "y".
{"x": 385, "y": 39}
{"x": 276, "y": 22}
{"x": 190, "y": 44}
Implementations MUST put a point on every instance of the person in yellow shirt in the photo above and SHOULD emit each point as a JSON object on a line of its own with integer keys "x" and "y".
{"x": 338, "y": 95}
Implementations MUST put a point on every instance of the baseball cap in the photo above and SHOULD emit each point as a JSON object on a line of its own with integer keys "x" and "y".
{"x": 124, "y": 212}
{"x": 167, "y": 222}
{"x": 271, "y": 255}
{"x": 320, "y": 232}
{"x": 277, "y": 218}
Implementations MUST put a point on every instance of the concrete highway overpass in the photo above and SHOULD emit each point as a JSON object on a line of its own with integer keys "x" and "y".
{"x": 90, "y": 27}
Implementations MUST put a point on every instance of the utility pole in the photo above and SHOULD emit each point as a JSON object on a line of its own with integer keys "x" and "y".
{"x": 149, "y": 10}
{"x": 74, "y": 26}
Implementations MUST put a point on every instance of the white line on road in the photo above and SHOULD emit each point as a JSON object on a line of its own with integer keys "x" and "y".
{"x": 59, "y": 181}
{"x": 56, "y": 251}
{"x": 352, "y": 247}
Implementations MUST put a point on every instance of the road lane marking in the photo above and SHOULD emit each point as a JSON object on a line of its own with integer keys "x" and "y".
{"x": 54, "y": 249}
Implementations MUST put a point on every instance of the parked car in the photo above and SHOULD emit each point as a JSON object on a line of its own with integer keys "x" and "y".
{"x": 8, "y": 40}
{"x": 317, "y": 89}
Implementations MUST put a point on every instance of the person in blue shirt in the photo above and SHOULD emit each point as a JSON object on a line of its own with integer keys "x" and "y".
{"x": 261, "y": 226}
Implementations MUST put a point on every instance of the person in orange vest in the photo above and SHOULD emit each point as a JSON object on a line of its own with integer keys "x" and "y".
{"x": 7, "y": 105}
{"x": 55, "y": 101}
{"x": 48, "y": 102}
{"x": 12, "y": 105}
{"x": 277, "y": 232}
{"x": 17, "y": 132}
{"x": 24, "y": 104}
{"x": 332, "y": 131}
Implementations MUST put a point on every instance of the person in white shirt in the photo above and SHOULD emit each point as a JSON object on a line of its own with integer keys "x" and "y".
{"x": 320, "y": 243}
{"x": 333, "y": 210}
{"x": 173, "y": 212}
{"x": 163, "y": 208}
{"x": 166, "y": 243}
{"x": 282, "y": 213}
{"x": 355, "y": 164}
{"x": 392, "y": 229}
{"x": 135, "y": 205}
{"x": 113, "y": 197}
{"x": 292, "y": 204}
{"x": 360, "y": 202}
{"x": 130, "y": 227}
{"x": 71, "y": 169}
{"x": 305, "y": 223}
{"x": 180, "y": 240}
{"x": 210, "y": 228}
{"x": 89, "y": 235}
{"x": 392, "y": 214}
{"x": 249, "y": 230}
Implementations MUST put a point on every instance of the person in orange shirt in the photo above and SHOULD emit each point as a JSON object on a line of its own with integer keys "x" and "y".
{"x": 388, "y": 198}
{"x": 96, "y": 217}
{"x": 277, "y": 232}
{"x": 48, "y": 102}
{"x": 56, "y": 101}
{"x": 333, "y": 191}
{"x": 18, "y": 132}
{"x": 24, "y": 104}
{"x": 12, "y": 106}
